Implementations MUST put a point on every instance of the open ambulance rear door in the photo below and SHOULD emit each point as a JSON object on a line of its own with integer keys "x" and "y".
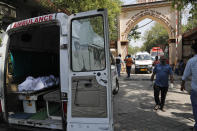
{"x": 3, "y": 49}
{"x": 90, "y": 95}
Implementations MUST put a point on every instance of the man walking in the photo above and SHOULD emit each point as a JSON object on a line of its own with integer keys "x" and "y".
{"x": 191, "y": 70}
{"x": 128, "y": 65}
{"x": 118, "y": 64}
{"x": 162, "y": 72}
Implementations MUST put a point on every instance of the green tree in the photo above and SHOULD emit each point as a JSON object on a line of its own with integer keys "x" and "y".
{"x": 181, "y": 5}
{"x": 134, "y": 34}
{"x": 133, "y": 50}
{"x": 155, "y": 37}
{"x": 192, "y": 23}
{"x": 75, "y": 6}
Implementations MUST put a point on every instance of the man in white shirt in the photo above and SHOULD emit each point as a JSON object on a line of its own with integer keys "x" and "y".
{"x": 191, "y": 70}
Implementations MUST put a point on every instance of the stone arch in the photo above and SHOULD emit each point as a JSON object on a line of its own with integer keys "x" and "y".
{"x": 160, "y": 11}
{"x": 151, "y": 14}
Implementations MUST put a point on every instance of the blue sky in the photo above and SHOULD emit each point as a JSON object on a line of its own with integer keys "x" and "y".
{"x": 143, "y": 30}
{"x": 139, "y": 42}
{"x": 126, "y": 2}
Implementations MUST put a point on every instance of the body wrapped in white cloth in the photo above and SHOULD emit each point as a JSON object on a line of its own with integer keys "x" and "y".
{"x": 34, "y": 84}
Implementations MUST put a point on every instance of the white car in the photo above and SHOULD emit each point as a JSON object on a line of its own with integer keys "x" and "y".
{"x": 143, "y": 62}
{"x": 114, "y": 74}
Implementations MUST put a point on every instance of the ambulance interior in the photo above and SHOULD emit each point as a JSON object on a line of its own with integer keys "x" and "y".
{"x": 32, "y": 76}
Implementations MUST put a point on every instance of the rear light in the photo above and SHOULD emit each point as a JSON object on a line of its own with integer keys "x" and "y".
{"x": 65, "y": 107}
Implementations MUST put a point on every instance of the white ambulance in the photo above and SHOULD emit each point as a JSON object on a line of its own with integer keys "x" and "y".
{"x": 143, "y": 62}
{"x": 55, "y": 73}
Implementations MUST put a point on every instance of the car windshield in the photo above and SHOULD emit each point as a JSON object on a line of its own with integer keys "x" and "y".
{"x": 154, "y": 53}
{"x": 143, "y": 57}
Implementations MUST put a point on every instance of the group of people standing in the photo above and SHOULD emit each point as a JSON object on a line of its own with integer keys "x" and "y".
{"x": 162, "y": 70}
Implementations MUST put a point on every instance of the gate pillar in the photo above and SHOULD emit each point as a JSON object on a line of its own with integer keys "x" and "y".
{"x": 172, "y": 53}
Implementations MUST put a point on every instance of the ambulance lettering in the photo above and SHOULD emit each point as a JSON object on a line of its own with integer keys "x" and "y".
{"x": 33, "y": 21}
{"x": 36, "y": 20}
{"x": 40, "y": 19}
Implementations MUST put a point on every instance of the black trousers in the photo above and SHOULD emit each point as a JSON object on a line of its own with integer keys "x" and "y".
{"x": 128, "y": 71}
{"x": 157, "y": 91}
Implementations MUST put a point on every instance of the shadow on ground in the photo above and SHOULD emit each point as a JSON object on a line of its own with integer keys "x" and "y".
{"x": 133, "y": 109}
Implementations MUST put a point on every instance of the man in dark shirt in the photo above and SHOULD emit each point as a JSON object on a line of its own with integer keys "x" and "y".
{"x": 162, "y": 72}
{"x": 118, "y": 64}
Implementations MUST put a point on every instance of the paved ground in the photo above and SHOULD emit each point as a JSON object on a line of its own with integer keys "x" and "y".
{"x": 133, "y": 107}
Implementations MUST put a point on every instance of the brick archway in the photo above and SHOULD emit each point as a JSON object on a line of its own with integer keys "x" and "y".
{"x": 159, "y": 11}
{"x": 151, "y": 14}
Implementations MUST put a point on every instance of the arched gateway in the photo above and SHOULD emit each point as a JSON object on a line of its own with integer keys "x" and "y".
{"x": 159, "y": 11}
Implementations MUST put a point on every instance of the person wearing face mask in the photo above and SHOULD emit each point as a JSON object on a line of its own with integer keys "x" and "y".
{"x": 162, "y": 72}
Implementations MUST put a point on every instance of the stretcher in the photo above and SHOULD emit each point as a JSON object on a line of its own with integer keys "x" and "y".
{"x": 29, "y": 98}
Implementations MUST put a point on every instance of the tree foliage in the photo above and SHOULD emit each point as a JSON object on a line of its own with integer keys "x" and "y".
{"x": 182, "y": 4}
{"x": 134, "y": 34}
{"x": 133, "y": 50}
{"x": 156, "y": 36}
{"x": 190, "y": 25}
{"x": 75, "y": 6}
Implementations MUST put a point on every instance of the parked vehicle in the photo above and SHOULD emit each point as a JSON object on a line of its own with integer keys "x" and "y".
{"x": 114, "y": 74}
{"x": 156, "y": 51}
{"x": 143, "y": 62}
{"x": 69, "y": 57}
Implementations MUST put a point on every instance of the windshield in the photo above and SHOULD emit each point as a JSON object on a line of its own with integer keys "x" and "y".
{"x": 143, "y": 57}
{"x": 154, "y": 53}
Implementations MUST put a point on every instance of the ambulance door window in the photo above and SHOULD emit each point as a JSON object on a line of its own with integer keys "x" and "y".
{"x": 88, "y": 44}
